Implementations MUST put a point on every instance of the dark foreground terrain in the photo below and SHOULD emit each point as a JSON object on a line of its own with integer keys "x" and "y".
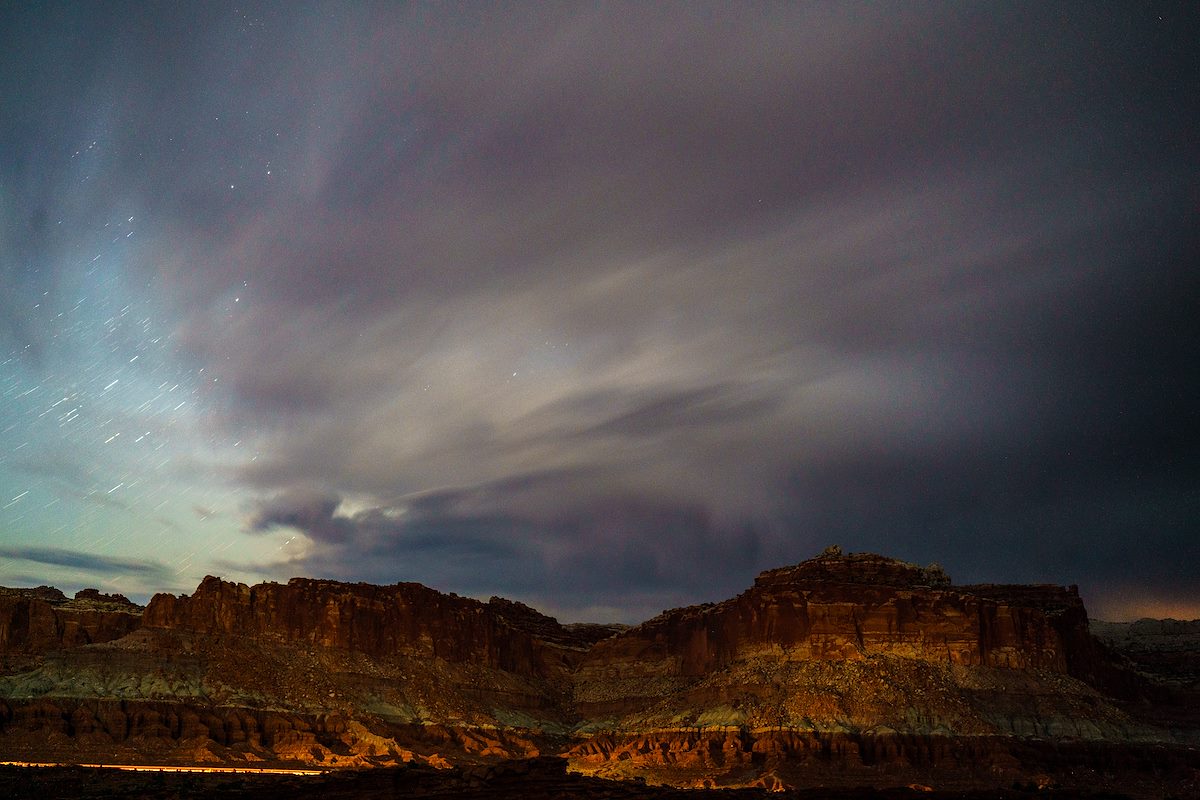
{"x": 531, "y": 779}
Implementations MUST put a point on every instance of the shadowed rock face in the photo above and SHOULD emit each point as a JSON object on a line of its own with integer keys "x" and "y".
{"x": 1167, "y": 649}
{"x": 856, "y": 568}
{"x": 405, "y": 619}
{"x": 34, "y": 621}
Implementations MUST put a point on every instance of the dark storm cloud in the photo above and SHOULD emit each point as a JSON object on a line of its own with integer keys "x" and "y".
{"x": 609, "y": 308}
{"x": 89, "y": 562}
{"x": 628, "y": 555}
{"x": 305, "y": 510}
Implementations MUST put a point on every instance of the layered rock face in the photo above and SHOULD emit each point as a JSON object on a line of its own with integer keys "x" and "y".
{"x": 846, "y": 608}
{"x": 160, "y": 732}
{"x": 1165, "y": 655}
{"x": 41, "y": 620}
{"x": 404, "y": 654}
{"x": 1166, "y": 649}
{"x": 843, "y": 665}
{"x": 380, "y": 621}
{"x": 843, "y": 662}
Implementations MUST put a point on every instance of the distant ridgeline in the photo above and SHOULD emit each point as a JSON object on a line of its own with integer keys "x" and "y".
{"x": 831, "y": 667}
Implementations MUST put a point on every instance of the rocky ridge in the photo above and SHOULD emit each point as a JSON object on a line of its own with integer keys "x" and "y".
{"x": 851, "y": 665}
{"x": 1165, "y": 650}
{"x": 378, "y": 621}
{"x": 35, "y": 621}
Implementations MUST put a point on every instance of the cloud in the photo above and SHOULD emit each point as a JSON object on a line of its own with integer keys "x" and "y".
{"x": 305, "y": 510}
{"x": 59, "y": 467}
{"x": 707, "y": 407}
{"x": 811, "y": 297}
{"x": 610, "y": 548}
{"x": 90, "y": 562}
{"x": 618, "y": 306}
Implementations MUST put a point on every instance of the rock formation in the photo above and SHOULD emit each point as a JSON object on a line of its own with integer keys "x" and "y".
{"x": 853, "y": 607}
{"x": 41, "y": 620}
{"x": 842, "y": 666}
{"x": 1166, "y": 650}
{"x": 405, "y": 619}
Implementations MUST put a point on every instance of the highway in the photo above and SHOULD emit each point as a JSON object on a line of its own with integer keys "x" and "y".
{"x": 165, "y": 768}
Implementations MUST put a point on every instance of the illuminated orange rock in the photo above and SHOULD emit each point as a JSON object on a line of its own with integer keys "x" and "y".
{"x": 851, "y": 607}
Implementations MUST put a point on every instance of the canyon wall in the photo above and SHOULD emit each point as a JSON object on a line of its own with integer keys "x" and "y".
{"x": 841, "y": 662}
{"x": 404, "y": 619}
{"x": 41, "y": 620}
{"x": 852, "y": 607}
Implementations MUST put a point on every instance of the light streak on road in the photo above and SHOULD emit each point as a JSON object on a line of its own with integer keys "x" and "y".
{"x": 165, "y": 768}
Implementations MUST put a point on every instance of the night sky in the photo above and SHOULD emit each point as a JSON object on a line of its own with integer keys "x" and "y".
{"x": 601, "y": 307}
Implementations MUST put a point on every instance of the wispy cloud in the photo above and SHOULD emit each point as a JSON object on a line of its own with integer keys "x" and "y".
{"x": 89, "y": 562}
{"x": 609, "y": 306}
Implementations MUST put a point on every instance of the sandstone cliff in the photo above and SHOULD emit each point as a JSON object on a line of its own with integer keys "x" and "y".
{"x": 849, "y": 608}
{"x": 380, "y": 621}
{"x": 42, "y": 620}
{"x": 858, "y": 645}
{"x": 842, "y": 662}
